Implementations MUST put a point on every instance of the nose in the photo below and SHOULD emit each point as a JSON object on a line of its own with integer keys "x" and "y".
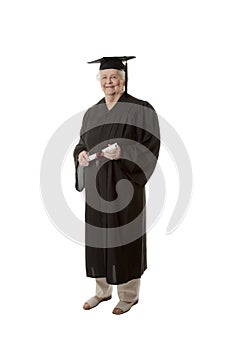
{"x": 109, "y": 81}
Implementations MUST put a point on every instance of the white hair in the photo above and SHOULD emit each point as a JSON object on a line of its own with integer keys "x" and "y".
{"x": 121, "y": 72}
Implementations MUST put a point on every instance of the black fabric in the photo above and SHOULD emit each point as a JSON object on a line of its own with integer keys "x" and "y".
{"x": 115, "y": 62}
{"x": 116, "y": 239}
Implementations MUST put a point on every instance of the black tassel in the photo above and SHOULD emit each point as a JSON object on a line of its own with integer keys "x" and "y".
{"x": 126, "y": 77}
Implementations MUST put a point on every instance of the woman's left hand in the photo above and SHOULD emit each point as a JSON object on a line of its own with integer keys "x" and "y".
{"x": 113, "y": 154}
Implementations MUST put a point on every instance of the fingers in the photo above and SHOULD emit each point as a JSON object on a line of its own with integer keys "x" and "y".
{"x": 83, "y": 158}
{"x": 108, "y": 155}
{"x": 112, "y": 154}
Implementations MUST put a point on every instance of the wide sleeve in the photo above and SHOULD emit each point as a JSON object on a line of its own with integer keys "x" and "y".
{"x": 79, "y": 169}
{"x": 140, "y": 155}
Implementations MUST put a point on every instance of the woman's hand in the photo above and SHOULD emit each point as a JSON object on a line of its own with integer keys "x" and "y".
{"x": 113, "y": 154}
{"x": 83, "y": 158}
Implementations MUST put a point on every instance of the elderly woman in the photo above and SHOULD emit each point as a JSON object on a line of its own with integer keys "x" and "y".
{"x": 116, "y": 155}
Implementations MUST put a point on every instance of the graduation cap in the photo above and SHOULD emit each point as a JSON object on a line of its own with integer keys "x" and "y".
{"x": 115, "y": 63}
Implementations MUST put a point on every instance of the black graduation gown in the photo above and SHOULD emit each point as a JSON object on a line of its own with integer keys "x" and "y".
{"x": 115, "y": 220}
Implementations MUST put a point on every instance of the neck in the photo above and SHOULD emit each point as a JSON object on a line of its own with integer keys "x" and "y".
{"x": 111, "y": 100}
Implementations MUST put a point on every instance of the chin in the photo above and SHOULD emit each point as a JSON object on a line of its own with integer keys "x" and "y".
{"x": 110, "y": 93}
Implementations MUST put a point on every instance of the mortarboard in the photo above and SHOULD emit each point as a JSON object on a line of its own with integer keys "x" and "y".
{"x": 115, "y": 63}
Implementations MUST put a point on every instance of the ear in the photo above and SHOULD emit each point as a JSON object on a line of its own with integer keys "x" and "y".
{"x": 122, "y": 82}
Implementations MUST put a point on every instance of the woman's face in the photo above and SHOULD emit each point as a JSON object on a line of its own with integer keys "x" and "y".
{"x": 111, "y": 82}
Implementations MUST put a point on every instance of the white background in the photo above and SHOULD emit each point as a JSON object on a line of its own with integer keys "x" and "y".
{"x": 184, "y": 69}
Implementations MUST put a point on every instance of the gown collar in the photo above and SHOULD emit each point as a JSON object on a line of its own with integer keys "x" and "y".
{"x": 121, "y": 99}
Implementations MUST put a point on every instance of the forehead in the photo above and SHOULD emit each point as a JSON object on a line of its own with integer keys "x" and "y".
{"x": 109, "y": 72}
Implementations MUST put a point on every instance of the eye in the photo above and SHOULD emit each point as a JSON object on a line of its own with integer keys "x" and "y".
{"x": 103, "y": 77}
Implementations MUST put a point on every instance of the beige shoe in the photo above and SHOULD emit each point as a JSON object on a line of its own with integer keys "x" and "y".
{"x": 122, "y": 307}
{"x": 94, "y": 301}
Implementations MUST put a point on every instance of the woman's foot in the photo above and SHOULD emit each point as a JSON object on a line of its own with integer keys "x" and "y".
{"x": 123, "y": 306}
{"x": 94, "y": 301}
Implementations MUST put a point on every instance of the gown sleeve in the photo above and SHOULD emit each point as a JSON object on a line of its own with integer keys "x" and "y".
{"x": 138, "y": 159}
{"x": 79, "y": 169}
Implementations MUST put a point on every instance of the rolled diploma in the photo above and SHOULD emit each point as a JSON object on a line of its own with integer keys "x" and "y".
{"x": 95, "y": 155}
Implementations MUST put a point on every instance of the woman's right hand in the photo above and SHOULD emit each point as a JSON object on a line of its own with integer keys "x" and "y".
{"x": 83, "y": 158}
